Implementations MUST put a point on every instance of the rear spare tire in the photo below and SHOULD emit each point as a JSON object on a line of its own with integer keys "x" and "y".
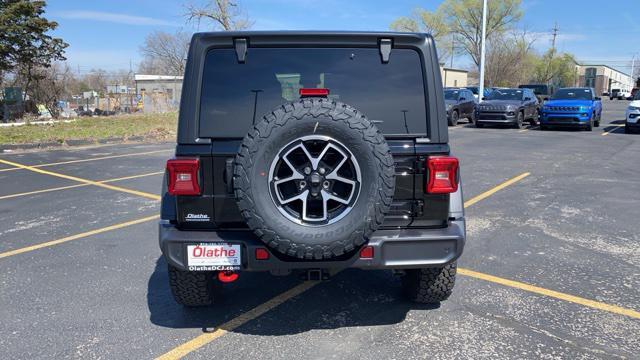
{"x": 314, "y": 179}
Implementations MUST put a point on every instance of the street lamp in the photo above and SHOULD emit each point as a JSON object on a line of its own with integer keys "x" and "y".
{"x": 482, "y": 52}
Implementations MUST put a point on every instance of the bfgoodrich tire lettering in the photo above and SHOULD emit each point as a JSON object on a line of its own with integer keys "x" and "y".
{"x": 292, "y": 121}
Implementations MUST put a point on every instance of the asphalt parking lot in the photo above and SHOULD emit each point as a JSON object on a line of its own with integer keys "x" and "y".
{"x": 551, "y": 267}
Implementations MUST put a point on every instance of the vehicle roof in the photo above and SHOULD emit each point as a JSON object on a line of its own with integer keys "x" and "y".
{"x": 296, "y": 34}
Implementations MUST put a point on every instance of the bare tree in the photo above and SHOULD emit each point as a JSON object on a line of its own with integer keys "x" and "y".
{"x": 510, "y": 59}
{"x": 165, "y": 53}
{"x": 225, "y": 15}
{"x": 49, "y": 85}
{"x": 465, "y": 19}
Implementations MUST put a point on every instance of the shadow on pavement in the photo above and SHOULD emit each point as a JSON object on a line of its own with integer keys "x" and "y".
{"x": 351, "y": 298}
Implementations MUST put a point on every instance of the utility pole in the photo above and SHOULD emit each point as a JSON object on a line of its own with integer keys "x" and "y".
{"x": 453, "y": 49}
{"x": 484, "y": 33}
{"x": 555, "y": 35}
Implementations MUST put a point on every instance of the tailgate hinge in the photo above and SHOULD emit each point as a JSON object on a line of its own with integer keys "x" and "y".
{"x": 241, "y": 45}
{"x": 385, "y": 49}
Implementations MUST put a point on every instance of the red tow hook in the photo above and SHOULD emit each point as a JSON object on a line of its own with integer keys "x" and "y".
{"x": 228, "y": 276}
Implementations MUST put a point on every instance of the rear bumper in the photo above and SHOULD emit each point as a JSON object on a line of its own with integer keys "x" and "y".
{"x": 393, "y": 249}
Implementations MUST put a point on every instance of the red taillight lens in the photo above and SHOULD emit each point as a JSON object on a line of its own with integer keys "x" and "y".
{"x": 442, "y": 174}
{"x": 314, "y": 92}
{"x": 183, "y": 176}
{"x": 262, "y": 254}
{"x": 228, "y": 276}
{"x": 366, "y": 252}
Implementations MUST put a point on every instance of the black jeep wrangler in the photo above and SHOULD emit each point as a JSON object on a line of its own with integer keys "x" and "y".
{"x": 311, "y": 152}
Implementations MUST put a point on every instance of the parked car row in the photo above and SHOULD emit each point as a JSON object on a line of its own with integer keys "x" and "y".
{"x": 567, "y": 107}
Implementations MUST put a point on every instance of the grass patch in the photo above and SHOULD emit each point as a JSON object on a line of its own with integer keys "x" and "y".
{"x": 158, "y": 126}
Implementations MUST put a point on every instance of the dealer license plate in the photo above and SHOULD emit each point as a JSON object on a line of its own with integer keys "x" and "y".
{"x": 213, "y": 257}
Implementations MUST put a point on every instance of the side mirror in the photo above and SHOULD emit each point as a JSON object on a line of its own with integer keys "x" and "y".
{"x": 598, "y": 98}
{"x": 484, "y": 98}
{"x": 527, "y": 99}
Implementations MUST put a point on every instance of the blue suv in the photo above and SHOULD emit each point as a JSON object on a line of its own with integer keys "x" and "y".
{"x": 577, "y": 107}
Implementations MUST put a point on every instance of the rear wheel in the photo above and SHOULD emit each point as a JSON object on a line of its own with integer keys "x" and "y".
{"x": 590, "y": 126}
{"x": 453, "y": 121}
{"x": 597, "y": 122}
{"x": 472, "y": 117}
{"x": 627, "y": 130}
{"x": 192, "y": 288}
{"x": 478, "y": 125}
{"x": 429, "y": 285}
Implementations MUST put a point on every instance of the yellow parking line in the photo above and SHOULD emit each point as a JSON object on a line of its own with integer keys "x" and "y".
{"x": 90, "y": 159}
{"x": 84, "y": 181}
{"x": 76, "y": 186}
{"x": 494, "y": 190}
{"x": 551, "y": 293}
{"x": 611, "y": 130}
{"x": 77, "y": 236}
{"x": 528, "y": 129}
{"x": 201, "y": 340}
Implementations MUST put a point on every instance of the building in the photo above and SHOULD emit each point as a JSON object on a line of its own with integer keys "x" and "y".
{"x": 169, "y": 85}
{"x": 454, "y": 77}
{"x": 603, "y": 78}
{"x": 158, "y": 93}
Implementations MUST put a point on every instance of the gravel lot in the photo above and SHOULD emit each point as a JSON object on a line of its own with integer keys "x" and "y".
{"x": 570, "y": 228}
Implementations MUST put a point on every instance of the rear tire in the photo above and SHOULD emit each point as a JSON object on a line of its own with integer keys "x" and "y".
{"x": 472, "y": 118}
{"x": 192, "y": 288}
{"x": 429, "y": 285}
{"x": 590, "y": 126}
{"x": 478, "y": 125}
{"x": 596, "y": 123}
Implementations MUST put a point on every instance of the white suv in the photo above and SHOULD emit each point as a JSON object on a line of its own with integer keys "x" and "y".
{"x": 632, "y": 116}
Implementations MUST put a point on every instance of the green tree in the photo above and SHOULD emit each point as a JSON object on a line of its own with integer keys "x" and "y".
{"x": 25, "y": 45}
{"x": 555, "y": 69}
{"x": 432, "y": 22}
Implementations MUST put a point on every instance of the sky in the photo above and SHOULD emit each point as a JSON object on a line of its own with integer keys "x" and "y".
{"x": 107, "y": 34}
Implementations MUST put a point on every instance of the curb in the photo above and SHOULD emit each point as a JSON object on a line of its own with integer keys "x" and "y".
{"x": 4, "y": 148}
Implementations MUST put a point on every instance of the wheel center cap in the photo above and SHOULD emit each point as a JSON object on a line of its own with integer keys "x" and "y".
{"x": 315, "y": 178}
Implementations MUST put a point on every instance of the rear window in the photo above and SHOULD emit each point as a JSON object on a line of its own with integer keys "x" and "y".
{"x": 236, "y": 95}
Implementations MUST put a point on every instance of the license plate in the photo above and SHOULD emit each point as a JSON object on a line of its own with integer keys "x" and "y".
{"x": 213, "y": 257}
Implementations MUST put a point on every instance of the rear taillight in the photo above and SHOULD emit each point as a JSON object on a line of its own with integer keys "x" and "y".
{"x": 183, "y": 176}
{"x": 443, "y": 172}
